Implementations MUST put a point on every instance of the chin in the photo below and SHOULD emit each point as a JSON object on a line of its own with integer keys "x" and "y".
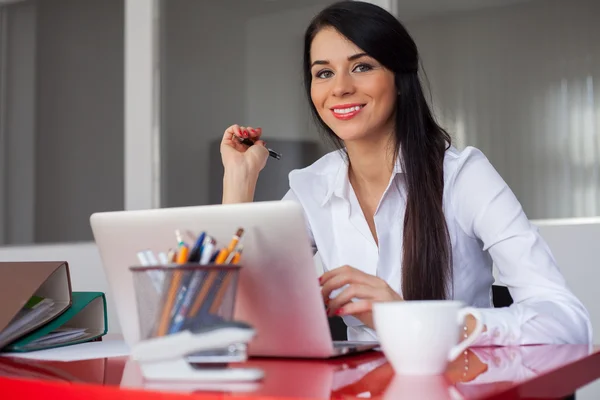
{"x": 350, "y": 133}
{"x": 351, "y": 136}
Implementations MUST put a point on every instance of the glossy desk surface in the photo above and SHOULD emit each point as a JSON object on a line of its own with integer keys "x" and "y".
{"x": 540, "y": 372}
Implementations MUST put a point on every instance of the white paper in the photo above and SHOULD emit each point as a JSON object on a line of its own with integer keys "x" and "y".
{"x": 76, "y": 352}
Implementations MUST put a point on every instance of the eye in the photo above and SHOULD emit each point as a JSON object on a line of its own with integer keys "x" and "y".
{"x": 363, "y": 68}
{"x": 324, "y": 74}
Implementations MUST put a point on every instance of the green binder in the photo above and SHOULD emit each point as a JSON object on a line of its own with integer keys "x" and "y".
{"x": 85, "y": 320}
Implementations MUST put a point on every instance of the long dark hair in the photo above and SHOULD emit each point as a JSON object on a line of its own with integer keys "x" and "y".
{"x": 418, "y": 139}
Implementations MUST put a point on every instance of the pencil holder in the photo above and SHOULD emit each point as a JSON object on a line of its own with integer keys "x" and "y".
{"x": 185, "y": 316}
{"x": 175, "y": 298}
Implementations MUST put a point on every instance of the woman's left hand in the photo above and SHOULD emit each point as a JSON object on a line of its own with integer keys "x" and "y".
{"x": 364, "y": 287}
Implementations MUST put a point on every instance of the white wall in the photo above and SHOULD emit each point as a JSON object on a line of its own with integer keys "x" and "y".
{"x": 520, "y": 83}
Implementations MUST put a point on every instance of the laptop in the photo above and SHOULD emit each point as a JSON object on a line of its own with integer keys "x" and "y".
{"x": 278, "y": 290}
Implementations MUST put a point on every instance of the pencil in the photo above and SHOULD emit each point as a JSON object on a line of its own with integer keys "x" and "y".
{"x": 238, "y": 255}
{"x": 213, "y": 274}
{"x": 221, "y": 293}
{"x": 169, "y": 302}
{"x": 174, "y": 288}
{"x": 224, "y": 253}
{"x": 233, "y": 258}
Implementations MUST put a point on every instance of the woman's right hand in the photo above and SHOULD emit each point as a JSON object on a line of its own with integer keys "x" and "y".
{"x": 242, "y": 163}
{"x": 244, "y": 160}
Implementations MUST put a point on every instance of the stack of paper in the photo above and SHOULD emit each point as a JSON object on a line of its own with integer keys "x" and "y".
{"x": 37, "y": 308}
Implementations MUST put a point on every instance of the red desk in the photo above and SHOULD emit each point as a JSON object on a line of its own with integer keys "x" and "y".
{"x": 540, "y": 372}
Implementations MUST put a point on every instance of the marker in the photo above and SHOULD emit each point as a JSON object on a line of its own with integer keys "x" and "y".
{"x": 207, "y": 251}
{"x": 150, "y": 257}
{"x": 162, "y": 257}
{"x": 141, "y": 255}
{"x": 249, "y": 142}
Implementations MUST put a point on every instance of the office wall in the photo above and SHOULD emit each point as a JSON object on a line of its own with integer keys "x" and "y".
{"x": 17, "y": 124}
{"x": 203, "y": 92}
{"x": 275, "y": 98}
{"x": 226, "y": 65}
{"x": 79, "y": 145}
{"x": 520, "y": 83}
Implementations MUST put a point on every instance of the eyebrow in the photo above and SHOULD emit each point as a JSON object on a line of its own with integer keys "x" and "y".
{"x": 351, "y": 58}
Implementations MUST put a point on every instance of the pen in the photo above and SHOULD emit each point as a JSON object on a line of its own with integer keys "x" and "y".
{"x": 195, "y": 283}
{"x": 249, "y": 142}
{"x": 212, "y": 275}
{"x": 195, "y": 253}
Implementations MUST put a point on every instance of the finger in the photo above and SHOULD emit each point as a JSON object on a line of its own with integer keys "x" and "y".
{"x": 333, "y": 273}
{"x": 230, "y": 138}
{"x": 346, "y": 269}
{"x": 358, "y": 291}
{"x": 230, "y": 132}
{"x": 254, "y": 133}
{"x": 244, "y": 132}
{"x": 334, "y": 284}
{"x": 233, "y": 133}
{"x": 344, "y": 278}
{"x": 355, "y": 307}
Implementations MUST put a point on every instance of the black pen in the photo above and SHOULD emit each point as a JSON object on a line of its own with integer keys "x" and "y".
{"x": 249, "y": 142}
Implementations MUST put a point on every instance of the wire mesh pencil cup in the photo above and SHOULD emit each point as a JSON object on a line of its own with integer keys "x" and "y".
{"x": 174, "y": 298}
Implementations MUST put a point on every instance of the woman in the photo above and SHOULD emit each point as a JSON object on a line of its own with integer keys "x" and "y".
{"x": 397, "y": 213}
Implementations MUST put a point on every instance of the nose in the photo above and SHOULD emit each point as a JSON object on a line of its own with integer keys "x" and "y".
{"x": 342, "y": 85}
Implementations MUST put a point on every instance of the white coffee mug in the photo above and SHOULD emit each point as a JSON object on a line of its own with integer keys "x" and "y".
{"x": 422, "y": 337}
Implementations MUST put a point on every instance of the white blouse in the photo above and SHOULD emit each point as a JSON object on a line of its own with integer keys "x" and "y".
{"x": 487, "y": 226}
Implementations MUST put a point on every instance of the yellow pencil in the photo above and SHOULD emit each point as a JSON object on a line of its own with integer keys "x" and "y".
{"x": 174, "y": 287}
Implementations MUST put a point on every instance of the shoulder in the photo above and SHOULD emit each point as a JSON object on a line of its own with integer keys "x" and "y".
{"x": 321, "y": 172}
{"x": 315, "y": 181}
{"x": 329, "y": 164}
{"x": 468, "y": 163}
{"x": 473, "y": 186}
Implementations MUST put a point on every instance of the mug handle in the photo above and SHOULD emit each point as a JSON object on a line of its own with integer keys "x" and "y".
{"x": 464, "y": 345}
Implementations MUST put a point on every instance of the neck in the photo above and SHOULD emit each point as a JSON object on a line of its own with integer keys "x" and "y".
{"x": 371, "y": 162}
